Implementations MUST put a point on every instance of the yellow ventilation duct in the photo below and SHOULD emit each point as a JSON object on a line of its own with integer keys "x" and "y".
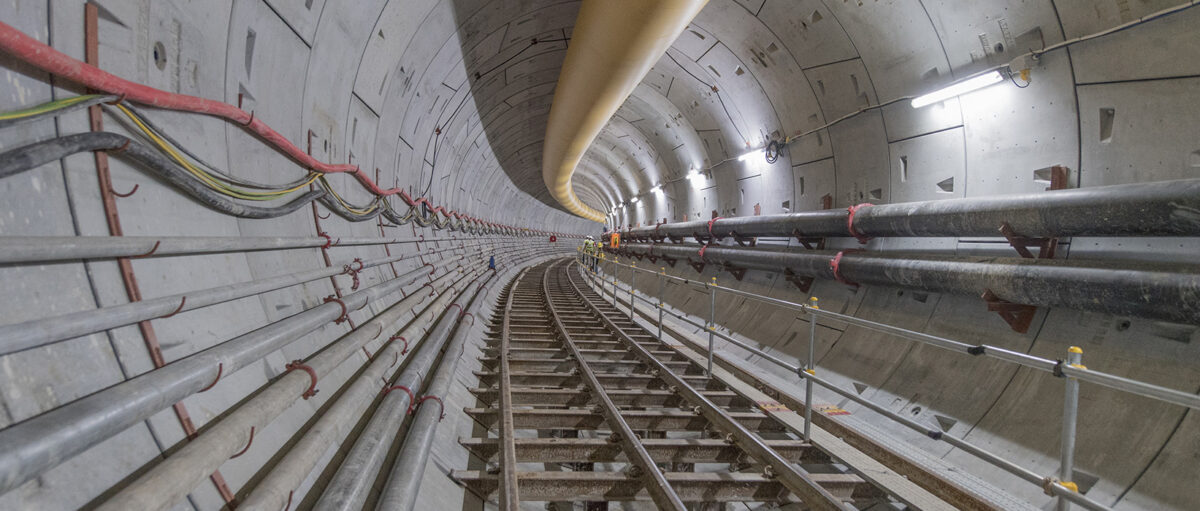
{"x": 614, "y": 45}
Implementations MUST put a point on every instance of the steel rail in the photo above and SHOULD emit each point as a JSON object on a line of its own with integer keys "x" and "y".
{"x": 510, "y": 497}
{"x": 1121, "y": 383}
{"x": 41, "y": 442}
{"x": 655, "y": 482}
{"x": 983, "y": 454}
{"x": 792, "y": 477}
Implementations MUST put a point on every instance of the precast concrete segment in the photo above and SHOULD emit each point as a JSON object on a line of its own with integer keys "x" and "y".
{"x": 352, "y": 482}
{"x": 44, "y": 249}
{"x": 1163, "y": 208}
{"x": 613, "y": 45}
{"x": 167, "y": 483}
{"x": 40, "y": 332}
{"x": 1169, "y": 292}
{"x": 42, "y": 442}
{"x": 403, "y": 482}
{"x": 277, "y": 487}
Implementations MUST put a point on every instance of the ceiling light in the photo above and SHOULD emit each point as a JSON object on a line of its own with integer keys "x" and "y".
{"x": 635, "y": 200}
{"x": 695, "y": 175}
{"x": 958, "y": 89}
{"x": 748, "y": 155}
{"x": 657, "y": 189}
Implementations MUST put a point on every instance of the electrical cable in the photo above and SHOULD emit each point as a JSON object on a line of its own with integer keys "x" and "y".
{"x": 213, "y": 168}
{"x": 33, "y": 155}
{"x": 52, "y": 108}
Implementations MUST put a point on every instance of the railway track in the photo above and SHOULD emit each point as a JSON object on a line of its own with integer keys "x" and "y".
{"x": 582, "y": 405}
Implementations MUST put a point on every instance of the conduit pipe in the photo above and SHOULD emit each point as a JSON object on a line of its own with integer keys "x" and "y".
{"x": 171, "y": 480}
{"x": 613, "y": 46}
{"x": 39, "y": 443}
{"x": 1164, "y": 208}
{"x": 1168, "y": 292}
{"x": 404, "y": 479}
{"x": 351, "y": 484}
{"x": 44, "y": 331}
{"x": 44, "y": 249}
{"x": 355, "y": 398}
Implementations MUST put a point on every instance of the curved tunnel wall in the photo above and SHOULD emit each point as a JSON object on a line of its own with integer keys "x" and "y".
{"x": 449, "y": 99}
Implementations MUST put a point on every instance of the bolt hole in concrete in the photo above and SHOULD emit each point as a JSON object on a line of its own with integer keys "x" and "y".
{"x": 160, "y": 55}
{"x": 1123, "y": 325}
{"x": 916, "y": 410}
{"x": 1107, "y": 116}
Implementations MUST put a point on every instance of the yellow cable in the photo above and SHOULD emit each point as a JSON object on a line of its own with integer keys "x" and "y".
{"x": 205, "y": 177}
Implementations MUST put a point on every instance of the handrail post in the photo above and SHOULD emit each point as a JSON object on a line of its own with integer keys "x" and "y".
{"x": 632, "y": 279}
{"x": 810, "y": 368}
{"x": 1070, "y": 417}
{"x": 712, "y": 321}
{"x": 661, "y": 282}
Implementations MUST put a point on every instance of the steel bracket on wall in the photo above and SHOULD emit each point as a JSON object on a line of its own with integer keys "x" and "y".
{"x": 1046, "y": 246}
{"x": 744, "y": 241}
{"x": 809, "y": 242}
{"x": 802, "y": 283}
{"x": 697, "y": 265}
{"x": 1019, "y": 316}
{"x": 737, "y": 273}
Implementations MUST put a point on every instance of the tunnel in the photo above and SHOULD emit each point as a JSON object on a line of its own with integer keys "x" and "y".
{"x": 600, "y": 254}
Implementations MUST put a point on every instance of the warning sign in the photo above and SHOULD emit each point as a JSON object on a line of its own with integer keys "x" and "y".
{"x": 831, "y": 410}
{"x": 772, "y": 406}
{"x": 615, "y": 240}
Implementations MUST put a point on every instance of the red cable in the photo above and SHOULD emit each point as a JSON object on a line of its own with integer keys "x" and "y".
{"x": 39, "y": 55}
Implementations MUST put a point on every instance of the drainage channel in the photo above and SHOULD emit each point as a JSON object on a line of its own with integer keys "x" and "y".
{"x": 579, "y": 405}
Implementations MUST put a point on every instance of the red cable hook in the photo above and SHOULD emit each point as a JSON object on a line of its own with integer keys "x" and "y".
{"x": 312, "y": 387}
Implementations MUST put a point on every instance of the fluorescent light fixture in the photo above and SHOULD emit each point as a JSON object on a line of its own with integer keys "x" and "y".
{"x": 750, "y": 154}
{"x": 695, "y": 175}
{"x": 657, "y": 189}
{"x": 958, "y": 89}
{"x": 635, "y": 200}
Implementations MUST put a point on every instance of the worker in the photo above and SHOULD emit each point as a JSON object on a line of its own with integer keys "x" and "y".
{"x": 492, "y": 263}
{"x": 589, "y": 253}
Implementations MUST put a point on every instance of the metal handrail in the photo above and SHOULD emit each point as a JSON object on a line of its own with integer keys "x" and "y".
{"x": 1121, "y": 383}
{"x": 1071, "y": 370}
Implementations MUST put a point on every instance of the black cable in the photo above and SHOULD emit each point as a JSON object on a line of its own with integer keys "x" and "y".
{"x": 58, "y": 112}
{"x": 773, "y": 151}
{"x": 31, "y": 156}
{"x": 214, "y": 168}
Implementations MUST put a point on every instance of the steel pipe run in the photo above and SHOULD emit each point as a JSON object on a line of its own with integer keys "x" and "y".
{"x": 41, "y": 442}
{"x": 45, "y": 249}
{"x": 1164, "y": 208}
{"x": 352, "y": 482}
{"x": 404, "y": 480}
{"x": 171, "y": 480}
{"x": 810, "y": 377}
{"x": 354, "y": 399}
{"x": 1168, "y": 292}
{"x": 44, "y": 331}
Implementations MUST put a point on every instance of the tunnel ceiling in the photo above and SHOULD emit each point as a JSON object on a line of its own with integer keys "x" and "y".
{"x": 449, "y": 99}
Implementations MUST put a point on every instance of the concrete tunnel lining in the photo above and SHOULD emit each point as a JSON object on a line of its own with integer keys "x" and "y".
{"x": 391, "y": 85}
